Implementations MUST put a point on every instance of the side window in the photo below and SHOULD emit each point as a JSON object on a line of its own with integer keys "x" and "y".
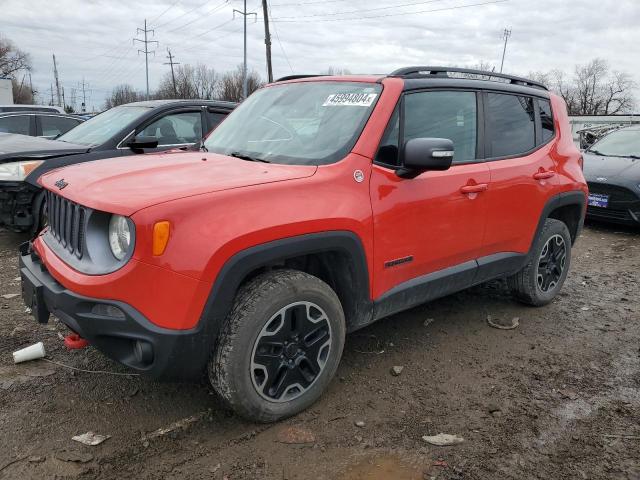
{"x": 546, "y": 119}
{"x": 511, "y": 122}
{"x": 388, "y": 150}
{"x": 17, "y": 124}
{"x": 54, "y": 126}
{"x": 176, "y": 129}
{"x": 215, "y": 117}
{"x": 438, "y": 114}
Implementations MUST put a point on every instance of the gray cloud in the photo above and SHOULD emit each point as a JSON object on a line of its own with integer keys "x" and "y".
{"x": 93, "y": 39}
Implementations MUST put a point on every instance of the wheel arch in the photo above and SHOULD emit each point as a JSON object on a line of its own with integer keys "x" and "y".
{"x": 336, "y": 257}
{"x": 569, "y": 208}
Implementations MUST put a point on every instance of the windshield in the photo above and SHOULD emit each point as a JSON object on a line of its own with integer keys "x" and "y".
{"x": 621, "y": 143}
{"x": 101, "y": 128}
{"x": 306, "y": 123}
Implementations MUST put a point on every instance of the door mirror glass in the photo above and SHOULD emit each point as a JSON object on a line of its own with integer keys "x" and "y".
{"x": 424, "y": 154}
{"x": 142, "y": 141}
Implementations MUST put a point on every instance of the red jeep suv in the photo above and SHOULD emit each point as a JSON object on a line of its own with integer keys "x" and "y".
{"x": 320, "y": 205}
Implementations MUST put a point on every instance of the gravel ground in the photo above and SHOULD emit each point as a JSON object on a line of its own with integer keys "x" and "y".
{"x": 558, "y": 397}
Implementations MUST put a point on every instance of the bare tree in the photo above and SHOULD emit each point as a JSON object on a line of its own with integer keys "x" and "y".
{"x": 191, "y": 82}
{"x": 22, "y": 93}
{"x": 12, "y": 59}
{"x": 122, "y": 94}
{"x": 593, "y": 90}
{"x": 336, "y": 71}
{"x": 231, "y": 84}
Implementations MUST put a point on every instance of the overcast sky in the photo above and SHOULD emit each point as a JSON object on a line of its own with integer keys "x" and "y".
{"x": 92, "y": 39}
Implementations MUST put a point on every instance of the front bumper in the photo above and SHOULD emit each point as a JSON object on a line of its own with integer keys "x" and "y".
{"x": 115, "y": 328}
{"x": 623, "y": 206}
{"x": 16, "y": 205}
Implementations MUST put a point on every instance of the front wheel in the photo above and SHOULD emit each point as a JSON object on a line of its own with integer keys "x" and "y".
{"x": 542, "y": 278}
{"x": 280, "y": 346}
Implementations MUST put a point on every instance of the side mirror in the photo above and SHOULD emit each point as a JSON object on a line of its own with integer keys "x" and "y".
{"x": 424, "y": 154}
{"x": 138, "y": 143}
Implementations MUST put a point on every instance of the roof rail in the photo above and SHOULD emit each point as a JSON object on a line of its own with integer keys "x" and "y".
{"x": 443, "y": 71}
{"x": 296, "y": 77}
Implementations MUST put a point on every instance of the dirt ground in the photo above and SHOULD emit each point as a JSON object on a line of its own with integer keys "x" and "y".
{"x": 558, "y": 397}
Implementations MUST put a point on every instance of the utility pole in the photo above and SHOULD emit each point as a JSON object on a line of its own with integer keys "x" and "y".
{"x": 146, "y": 50}
{"x": 506, "y": 34}
{"x": 173, "y": 76}
{"x": 31, "y": 88}
{"x": 267, "y": 39}
{"x": 84, "y": 96}
{"x": 55, "y": 75}
{"x": 64, "y": 103}
{"x": 245, "y": 14}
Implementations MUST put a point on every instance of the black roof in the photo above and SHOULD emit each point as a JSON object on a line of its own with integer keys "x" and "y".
{"x": 171, "y": 102}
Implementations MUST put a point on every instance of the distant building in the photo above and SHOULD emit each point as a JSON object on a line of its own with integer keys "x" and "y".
{"x": 6, "y": 91}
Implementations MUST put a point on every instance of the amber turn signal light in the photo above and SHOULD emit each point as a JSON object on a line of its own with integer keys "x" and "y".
{"x": 160, "y": 237}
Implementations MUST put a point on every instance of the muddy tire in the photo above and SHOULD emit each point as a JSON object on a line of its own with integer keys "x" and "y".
{"x": 279, "y": 347}
{"x": 543, "y": 276}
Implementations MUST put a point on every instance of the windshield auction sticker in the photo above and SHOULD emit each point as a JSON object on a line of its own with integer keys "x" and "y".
{"x": 350, "y": 99}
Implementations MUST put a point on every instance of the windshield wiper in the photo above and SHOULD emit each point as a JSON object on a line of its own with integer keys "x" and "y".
{"x": 203, "y": 148}
{"x": 596, "y": 152}
{"x": 242, "y": 156}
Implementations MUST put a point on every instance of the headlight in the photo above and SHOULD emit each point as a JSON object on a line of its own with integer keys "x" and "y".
{"x": 17, "y": 171}
{"x": 119, "y": 236}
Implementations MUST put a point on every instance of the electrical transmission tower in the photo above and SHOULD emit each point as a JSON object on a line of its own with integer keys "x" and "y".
{"x": 83, "y": 86}
{"x": 173, "y": 76}
{"x": 506, "y": 34}
{"x": 245, "y": 14}
{"x": 146, "y": 50}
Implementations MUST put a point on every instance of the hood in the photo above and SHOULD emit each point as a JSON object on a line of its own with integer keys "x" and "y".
{"x": 126, "y": 185}
{"x": 17, "y": 147}
{"x": 611, "y": 168}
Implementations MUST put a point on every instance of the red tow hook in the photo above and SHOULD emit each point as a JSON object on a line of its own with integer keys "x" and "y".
{"x": 74, "y": 341}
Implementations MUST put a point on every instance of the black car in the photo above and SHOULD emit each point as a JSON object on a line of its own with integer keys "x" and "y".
{"x": 38, "y": 124}
{"x": 612, "y": 170}
{"x": 130, "y": 129}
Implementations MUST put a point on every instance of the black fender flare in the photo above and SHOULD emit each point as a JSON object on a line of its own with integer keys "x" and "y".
{"x": 236, "y": 269}
{"x": 574, "y": 197}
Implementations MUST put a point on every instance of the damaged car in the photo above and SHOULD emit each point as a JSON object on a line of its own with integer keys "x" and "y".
{"x": 134, "y": 128}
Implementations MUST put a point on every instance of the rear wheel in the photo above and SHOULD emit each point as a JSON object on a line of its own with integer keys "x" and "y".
{"x": 542, "y": 278}
{"x": 280, "y": 346}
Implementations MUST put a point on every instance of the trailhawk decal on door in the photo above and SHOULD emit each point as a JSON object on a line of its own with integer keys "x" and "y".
{"x": 350, "y": 99}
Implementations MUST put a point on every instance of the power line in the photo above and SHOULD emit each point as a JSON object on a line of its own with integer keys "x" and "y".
{"x": 164, "y": 11}
{"x": 203, "y": 16}
{"x": 391, "y": 14}
{"x": 284, "y": 54}
{"x": 363, "y": 10}
{"x": 184, "y": 14}
{"x": 146, "y": 50}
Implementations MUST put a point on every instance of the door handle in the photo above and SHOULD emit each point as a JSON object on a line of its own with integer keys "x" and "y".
{"x": 480, "y": 187}
{"x": 543, "y": 174}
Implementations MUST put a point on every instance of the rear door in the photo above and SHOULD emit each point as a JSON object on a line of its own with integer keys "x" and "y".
{"x": 519, "y": 131}
{"x": 436, "y": 221}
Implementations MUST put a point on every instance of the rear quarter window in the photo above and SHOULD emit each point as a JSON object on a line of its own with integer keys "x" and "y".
{"x": 546, "y": 120}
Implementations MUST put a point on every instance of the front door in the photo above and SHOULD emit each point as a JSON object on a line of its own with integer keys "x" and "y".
{"x": 434, "y": 223}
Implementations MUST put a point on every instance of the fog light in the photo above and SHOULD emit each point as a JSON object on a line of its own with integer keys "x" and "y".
{"x": 143, "y": 352}
{"x": 105, "y": 310}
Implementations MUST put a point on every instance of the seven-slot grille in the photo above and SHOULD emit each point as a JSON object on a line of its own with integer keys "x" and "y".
{"x": 66, "y": 222}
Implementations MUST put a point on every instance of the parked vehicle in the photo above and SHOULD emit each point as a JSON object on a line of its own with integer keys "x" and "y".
{"x": 38, "y": 124}
{"x": 612, "y": 170}
{"x": 318, "y": 207}
{"x": 30, "y": 108}
{"x": 130, "y": 129}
